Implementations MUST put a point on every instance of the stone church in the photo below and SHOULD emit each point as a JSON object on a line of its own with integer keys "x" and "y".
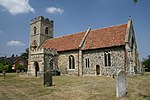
{"x": 101, "y": 51}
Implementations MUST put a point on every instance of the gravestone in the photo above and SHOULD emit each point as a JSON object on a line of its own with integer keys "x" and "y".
{"x": 121, "y": 84}
{"x": 47, "y": 78}
{"x": 142, "y": 71}
{"x": 4, "y": 74}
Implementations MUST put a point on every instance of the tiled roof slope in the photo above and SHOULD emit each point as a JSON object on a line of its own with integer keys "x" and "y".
{"x": 10, "y": 60}
{"x": 64, "y": 43}
{"x": 100, "y": 38}
{"x": 106, "y": 37}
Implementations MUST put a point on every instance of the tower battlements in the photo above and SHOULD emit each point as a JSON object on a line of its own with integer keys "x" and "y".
{"x": 44, "y": 51}
{"x": 41, "y": 18}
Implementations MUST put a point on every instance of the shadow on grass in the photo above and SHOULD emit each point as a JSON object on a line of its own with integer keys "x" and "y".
{"x": 144, "y": 96}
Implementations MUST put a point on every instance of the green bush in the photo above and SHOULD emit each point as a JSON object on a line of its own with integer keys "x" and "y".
{"x": 4, "y": 67}
{"x": 20, "y": 67}
{"x": 146, "y": 63}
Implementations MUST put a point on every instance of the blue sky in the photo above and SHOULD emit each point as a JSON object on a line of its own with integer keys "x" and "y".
{"x": 70, "y": 16}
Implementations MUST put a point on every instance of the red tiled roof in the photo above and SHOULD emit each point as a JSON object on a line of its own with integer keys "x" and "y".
{"x": 64, "y": 43}
{"x": 106, "y": 37}
{"x": 100, "y": 38}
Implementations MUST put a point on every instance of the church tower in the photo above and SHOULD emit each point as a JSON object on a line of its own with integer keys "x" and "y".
{"x": 41, "y": 29}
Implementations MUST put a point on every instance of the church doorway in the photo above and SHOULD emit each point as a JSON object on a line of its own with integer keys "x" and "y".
{"x": 36, "y": 68}
{"x": 97, "y": 70}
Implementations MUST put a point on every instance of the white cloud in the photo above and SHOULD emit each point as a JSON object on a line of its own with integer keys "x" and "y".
{"x": 15, "y": 43}
{"x": 17, "y": 6}
{"x": 54, "y": 10}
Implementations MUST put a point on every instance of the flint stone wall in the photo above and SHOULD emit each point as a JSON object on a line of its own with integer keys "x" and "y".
{"x": 96, "y": 57}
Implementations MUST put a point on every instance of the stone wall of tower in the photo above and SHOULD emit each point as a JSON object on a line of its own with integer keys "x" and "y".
{"x": 40, "y": 23}
{"x": 39, "y": 37}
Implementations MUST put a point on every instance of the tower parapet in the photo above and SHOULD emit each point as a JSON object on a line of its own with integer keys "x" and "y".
{"x": 44, "y": 51}
{"x": 41, "y": 18}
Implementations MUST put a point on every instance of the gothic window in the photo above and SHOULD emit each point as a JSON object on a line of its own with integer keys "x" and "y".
{"x": 71, "y": 62}
{"x": 87, "y": 63}
{"x": 46, "y": 30}
{"x": 33, "y": 45}
{"x": 132, "y": 46}
{"x": 34, "y": 29}
{"x": 107, "y": 58}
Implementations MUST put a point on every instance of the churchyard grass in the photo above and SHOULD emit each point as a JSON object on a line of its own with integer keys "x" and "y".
{"x": 20, "y": 87}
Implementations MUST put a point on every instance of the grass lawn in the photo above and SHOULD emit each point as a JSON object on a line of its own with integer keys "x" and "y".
{"x": 16, "y": 87}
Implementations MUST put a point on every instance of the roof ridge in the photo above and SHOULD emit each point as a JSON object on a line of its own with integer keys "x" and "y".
{"x": 108, "y": 27}
{"x": 60, "y": 37}
{"x": 85, "y": 31}
{"x": 66, "y": 35}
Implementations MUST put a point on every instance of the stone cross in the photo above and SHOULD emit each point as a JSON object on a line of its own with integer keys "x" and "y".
{"x": 121, "y": 84}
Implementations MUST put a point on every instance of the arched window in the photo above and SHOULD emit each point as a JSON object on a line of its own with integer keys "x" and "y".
{"x": 71, "y": 62}
{"x": 33, "y": 45}
{"x": 132, "y": 46}
{"x": 107, "y": 58}
{"x": 46, "y": 30}
{"x": 34, "y": 30}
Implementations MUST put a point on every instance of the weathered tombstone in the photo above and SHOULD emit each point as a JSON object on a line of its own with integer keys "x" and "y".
{"x": 121, "y": 84}
{"x": 4, "y": 74}
{"x": 142, "y": 71}
{"x": 47, "y": 78}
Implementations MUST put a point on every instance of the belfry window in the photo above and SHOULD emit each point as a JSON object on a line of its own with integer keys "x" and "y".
{"x": 107, "y": 58}
{"x": 34, "y": 30}
{"x": 87, "y": 62}
{"x": 46, "y": 30}
{"x": 71, "y": 62}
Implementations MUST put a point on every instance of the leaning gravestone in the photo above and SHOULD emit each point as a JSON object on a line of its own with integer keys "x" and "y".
{"x": 47, "y": 78}
{"x": 121, "y": 84}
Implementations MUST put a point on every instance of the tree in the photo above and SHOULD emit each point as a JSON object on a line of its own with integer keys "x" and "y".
{"x": 4, "y": 67}
{"x": 1, "y": 66}
{"x": 135, "y": 1}
{"x": 20, "y": 67}
{"x": 146, "y": 63}
{"x": 25, "y": 54}
{"x": 13, "y": 55}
